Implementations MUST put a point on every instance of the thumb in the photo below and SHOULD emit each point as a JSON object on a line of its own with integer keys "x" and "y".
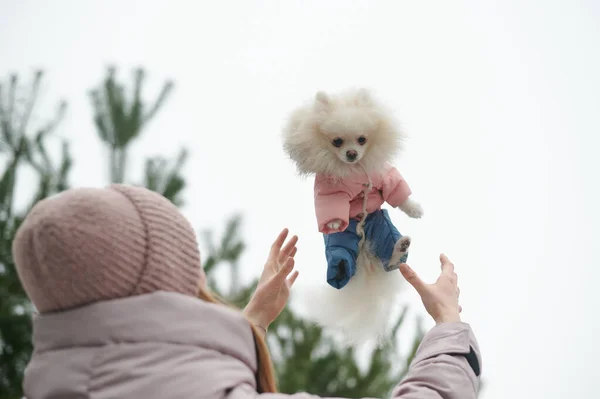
{"x": 411, "y": 276}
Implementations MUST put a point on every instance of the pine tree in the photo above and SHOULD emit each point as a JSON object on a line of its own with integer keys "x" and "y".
{"x": 20, "y": 150}
{"x": 306, "y": 357}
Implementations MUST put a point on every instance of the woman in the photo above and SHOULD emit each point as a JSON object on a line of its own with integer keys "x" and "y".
{"x": 115, "y": 275}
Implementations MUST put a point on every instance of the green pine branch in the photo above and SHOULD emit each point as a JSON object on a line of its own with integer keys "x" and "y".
{"x": 19, "y": 149}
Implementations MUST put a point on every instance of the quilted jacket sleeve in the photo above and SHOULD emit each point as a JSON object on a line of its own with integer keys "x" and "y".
{"x": 332, "y": 201}
{"x": 395, "y": 189}
{"x": 447, "y": 365}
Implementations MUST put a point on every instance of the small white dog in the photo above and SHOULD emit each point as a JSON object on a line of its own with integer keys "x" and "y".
{"x": 348, "y": 141}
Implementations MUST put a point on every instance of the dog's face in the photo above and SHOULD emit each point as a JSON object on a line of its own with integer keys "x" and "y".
{"x": 341, "y": 135}
{"x": 349, "y": 134}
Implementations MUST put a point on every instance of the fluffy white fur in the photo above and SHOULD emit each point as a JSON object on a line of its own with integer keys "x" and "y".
{"x": 361, "y": 310}
{"x": 312, "y": 128}
{"x": 339, "y": 135}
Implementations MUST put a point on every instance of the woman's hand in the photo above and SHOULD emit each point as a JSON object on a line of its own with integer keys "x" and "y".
{"x": 273, "y": 289}
{"x": 441, "y": 298}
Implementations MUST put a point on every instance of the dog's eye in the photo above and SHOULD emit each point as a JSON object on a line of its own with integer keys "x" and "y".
{"x": 362, "y": 140}
{"x": 337, "y": 142}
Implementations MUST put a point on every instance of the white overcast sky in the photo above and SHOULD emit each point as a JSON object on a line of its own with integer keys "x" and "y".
{"x": 500, "y": 98}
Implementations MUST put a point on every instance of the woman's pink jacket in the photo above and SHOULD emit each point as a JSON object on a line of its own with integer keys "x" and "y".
{"x": 170, "y": 346}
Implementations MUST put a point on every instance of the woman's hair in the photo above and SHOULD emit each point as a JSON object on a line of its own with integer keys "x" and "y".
{"x": 265, "y": 374}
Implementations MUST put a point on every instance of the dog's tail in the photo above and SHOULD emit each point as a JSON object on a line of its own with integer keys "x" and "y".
{"x": 362, "y": 309}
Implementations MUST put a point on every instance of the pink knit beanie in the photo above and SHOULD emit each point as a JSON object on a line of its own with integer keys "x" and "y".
{"x": 92, "y": 244}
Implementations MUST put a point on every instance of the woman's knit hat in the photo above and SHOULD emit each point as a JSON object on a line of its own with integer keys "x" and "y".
{"x": 91, "y": 244}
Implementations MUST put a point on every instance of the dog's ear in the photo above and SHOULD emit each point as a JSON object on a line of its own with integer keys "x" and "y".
{"x": 322, "y": 101}
{"x": 363, "y": 97}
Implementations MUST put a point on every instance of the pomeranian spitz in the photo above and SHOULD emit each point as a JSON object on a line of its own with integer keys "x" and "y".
{"x": 348, "y": 142}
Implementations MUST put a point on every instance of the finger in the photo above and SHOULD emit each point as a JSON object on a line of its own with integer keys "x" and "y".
{"x": 411, "y": 276}
{"x": 447, "y": 266}
{"x": 452, "y": 277}
{"x": 276, "y": 246}
{"x": 290, "y": 244}
{"x": 292, "y": 279}
{"x": 286, "y": 268}
{"x": 287, "y": 250}
{"x": 294, "y": 252}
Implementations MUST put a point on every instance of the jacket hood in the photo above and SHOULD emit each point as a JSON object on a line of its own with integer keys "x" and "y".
{"x": 163, "y": 317}
{"x": 141, "y": 346}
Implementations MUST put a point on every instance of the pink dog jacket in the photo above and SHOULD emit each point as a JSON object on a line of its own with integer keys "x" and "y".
{"x": 342, "y": 199}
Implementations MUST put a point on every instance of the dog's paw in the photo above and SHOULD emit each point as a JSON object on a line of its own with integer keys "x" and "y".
{"x": 412, "y": 209}
{"x": 402, "y": 244}
{"x": 334, "y": 224}
{"x": 400, "y": 254}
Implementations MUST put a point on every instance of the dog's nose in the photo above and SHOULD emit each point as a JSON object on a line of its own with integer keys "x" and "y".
{"x": 351, "y": 154}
